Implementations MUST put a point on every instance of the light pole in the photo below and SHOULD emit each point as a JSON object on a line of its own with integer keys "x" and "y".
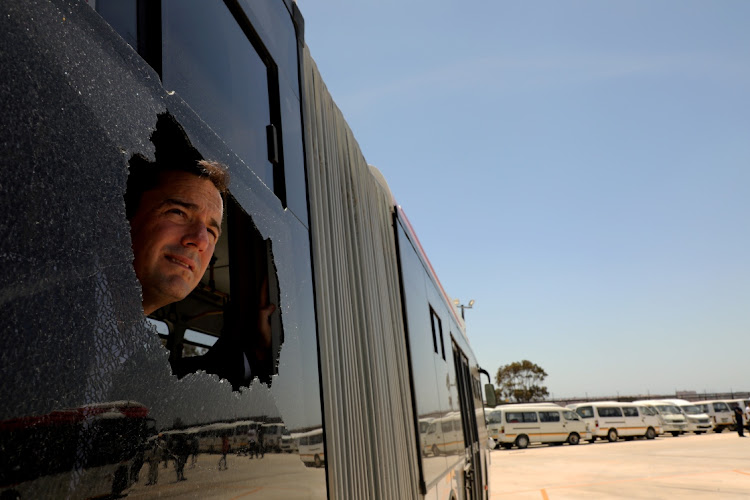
{"x": 462, "y": 306}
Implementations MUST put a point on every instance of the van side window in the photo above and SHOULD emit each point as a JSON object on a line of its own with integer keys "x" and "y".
{"x": 571, "y": 415}
{"x": 549, "y": 416}
{"x": 630, "y": 411}
{"x": 609, "y": 412}
{"x": 585, "y": 411}
{"x": 494, "y": 417}
{"x": 520, "y": 416}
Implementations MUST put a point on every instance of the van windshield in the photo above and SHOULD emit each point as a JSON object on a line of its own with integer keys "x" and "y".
{"x": 647, "y": 411}
{"x": 691, "y": 409}
{"x": 495, "y": 417}
{"x": 668, "y": 410}
{"x": 585, "y": 411}
{"x": 570, "y": 415}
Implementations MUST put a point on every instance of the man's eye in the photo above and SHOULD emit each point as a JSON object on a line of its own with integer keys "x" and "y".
{"x": 176, "y": 211}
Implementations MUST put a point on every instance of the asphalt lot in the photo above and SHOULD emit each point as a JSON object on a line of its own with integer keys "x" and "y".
{"x": 693, "y": 467}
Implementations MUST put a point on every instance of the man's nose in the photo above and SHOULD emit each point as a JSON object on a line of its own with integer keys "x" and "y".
{"x": 196, "y": 236}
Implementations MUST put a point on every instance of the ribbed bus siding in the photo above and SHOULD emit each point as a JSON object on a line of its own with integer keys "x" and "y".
{"x": 366, "y": 389}
{"x": 366, "y": 356}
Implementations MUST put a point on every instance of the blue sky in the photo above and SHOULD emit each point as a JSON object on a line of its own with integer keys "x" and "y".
{"x": 579, "y": 168}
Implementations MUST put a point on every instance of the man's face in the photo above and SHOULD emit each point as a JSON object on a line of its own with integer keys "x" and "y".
{"x": 174, "y": 233}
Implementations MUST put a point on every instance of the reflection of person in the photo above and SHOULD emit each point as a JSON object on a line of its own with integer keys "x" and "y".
{"x": 154, "y": 456}
{"x": 181, "y": 451}
{"x": 175, "y": 213}
{"x": 194, "y": 448}
{"x": 224, "y": 451}
{"x": 738, "y": 421}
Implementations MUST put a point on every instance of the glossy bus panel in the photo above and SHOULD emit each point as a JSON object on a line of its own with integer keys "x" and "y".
{"x": 92, "y": 401}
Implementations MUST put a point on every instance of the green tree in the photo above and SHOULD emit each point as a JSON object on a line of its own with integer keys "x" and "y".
{"x": 521, "y": 381}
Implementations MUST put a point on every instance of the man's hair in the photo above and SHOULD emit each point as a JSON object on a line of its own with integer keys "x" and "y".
{"x": 174, "y": 153}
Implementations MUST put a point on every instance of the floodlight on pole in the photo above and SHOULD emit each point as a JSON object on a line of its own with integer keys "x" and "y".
{"x": 462, "y": 306}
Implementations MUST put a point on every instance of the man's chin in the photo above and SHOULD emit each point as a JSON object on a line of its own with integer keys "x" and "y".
{"x": 176, "y": 290}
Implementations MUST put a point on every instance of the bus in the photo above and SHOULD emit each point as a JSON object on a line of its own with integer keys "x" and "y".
{"x": 365, "y": 343}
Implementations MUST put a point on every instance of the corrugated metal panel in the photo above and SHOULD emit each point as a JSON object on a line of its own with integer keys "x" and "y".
{"x": 371, "y": 451}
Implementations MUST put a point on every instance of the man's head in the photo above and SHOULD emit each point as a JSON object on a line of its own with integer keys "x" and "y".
{"x": 175, "y": 210}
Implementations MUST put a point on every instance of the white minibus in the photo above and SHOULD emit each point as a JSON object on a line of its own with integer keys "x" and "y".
{"x": 672, "y": 419}
{"x": 612, "y": 420}
{"x": 522, "y": 425}
{"x": 720, "y": 413}
{"x": 698, "y": 421}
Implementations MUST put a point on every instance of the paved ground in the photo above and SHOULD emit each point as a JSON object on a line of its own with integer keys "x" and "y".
{"x": 277, "y": 476}
{"x": 711, "y": 466}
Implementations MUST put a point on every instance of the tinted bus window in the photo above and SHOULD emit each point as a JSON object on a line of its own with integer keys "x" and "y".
{"x": 209, "y": 61}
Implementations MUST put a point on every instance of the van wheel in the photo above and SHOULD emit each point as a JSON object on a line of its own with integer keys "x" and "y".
{"x": 675, "y": 433}
{"x": 612, "y": 435}
{"x": 435, "y": 450}
{"x": 318, "y": 461}
{"x": 522, "y": 441}
{"x": 574, "y": 438}
{"x": 650, "y": 433}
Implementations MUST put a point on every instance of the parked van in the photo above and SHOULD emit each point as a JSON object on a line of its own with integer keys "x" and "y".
{"x": 721, "y": 414}
{"x": 673, "y": 420}
{"x": 613, "y": 420}
{"x": 494, "y": 423}
{"x": 742, "y": 404}
{"x": 698, "y": 421}
{"x": 523, "y": 424}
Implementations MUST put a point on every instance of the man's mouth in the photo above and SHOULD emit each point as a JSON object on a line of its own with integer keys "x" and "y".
{"x": 180, "y": 262}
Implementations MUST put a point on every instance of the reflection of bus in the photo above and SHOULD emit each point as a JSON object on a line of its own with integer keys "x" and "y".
{"x": 364, "y": 341}
{"x": 240, "y": 434}
{"x": 104, "y": 441}
{"x": 271, "y": 436}
{"x": 444, "y": 435}
{"x": 311, "y": 449}
{"x": 288, "y": 443}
